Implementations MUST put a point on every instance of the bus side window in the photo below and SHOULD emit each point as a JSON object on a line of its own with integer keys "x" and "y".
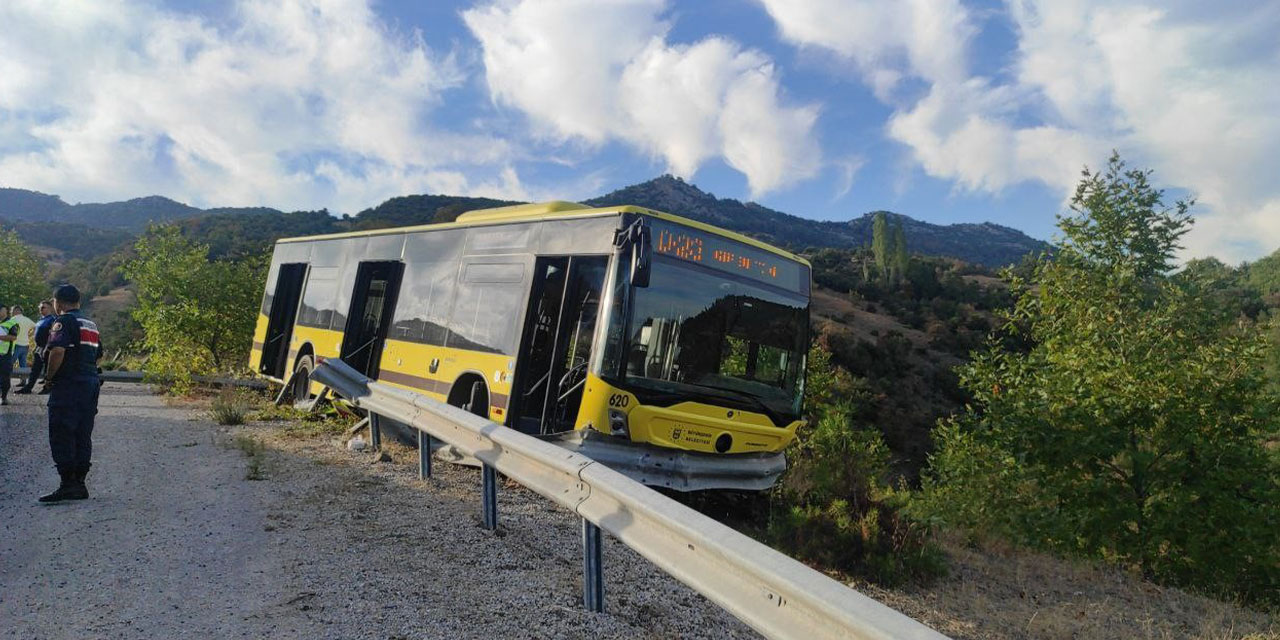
{"x": 318, "y": 302}
{"x": 427, "y": 291}
{"x": 487, "y": 307}
{"x": 317, "y": 298}
{"x": 352, "y": 251}
{"x": 425, "y": 302}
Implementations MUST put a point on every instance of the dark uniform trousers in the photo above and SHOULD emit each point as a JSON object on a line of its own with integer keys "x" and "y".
{"x": 73, "y": 403}
{"x": 37, "y": 368}
{"x": 6, "y": 371}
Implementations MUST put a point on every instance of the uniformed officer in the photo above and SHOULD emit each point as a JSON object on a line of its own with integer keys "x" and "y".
{"x": 72, "y": 378}
{"x": 41, "y": 338}
{"x": 8, "y": 335}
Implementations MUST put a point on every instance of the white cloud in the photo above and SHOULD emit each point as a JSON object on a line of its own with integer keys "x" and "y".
{"x": 964, "y": 127}
{"x": 886, "y": 40}
{"x": 293, "y": 103}
{"x": 620, "y": 79}
{"x": 847, "y": 169}
{"x": 1185, "y": 88}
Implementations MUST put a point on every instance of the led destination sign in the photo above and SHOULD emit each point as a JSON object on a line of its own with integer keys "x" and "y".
{"x": 718, "y": 252}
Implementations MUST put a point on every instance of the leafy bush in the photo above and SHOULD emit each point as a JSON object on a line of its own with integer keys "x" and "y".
{"x": 1133, "y": 428}
{"x": 21, "y": 273}
{"x": 317, "y": 425}
{"x": 197, "y": 315}
{"x": 834, "y": 506}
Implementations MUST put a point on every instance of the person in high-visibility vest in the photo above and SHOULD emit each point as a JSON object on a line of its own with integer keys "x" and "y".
{"x": 25, "y": 328}
{"x": 8, "y": 335}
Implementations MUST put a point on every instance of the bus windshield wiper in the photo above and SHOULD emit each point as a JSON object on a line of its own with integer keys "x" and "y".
{"x": 757, "y": 402}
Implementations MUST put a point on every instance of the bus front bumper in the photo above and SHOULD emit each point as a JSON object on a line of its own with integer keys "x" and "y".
{"x": 672, "y": 468}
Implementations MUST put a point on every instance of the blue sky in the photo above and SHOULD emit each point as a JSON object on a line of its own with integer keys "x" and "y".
{"x": 945, "y": 110}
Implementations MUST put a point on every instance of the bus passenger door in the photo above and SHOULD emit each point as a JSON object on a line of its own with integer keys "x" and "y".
{"x": 556, "y": 342}
{"x": 373, "y": 303}
{"x": 284, "y": 310}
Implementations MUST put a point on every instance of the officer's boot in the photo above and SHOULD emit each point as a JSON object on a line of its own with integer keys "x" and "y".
{"x": 78, "y": 491}
{"x": 64, "y": 491}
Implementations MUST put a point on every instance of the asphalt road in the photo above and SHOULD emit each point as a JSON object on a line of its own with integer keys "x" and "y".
{"x": 185, "y": 535}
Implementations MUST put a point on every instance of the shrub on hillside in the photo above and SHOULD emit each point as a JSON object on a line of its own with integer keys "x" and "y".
{"x": 834, "y": 506}
{"x": 21, "y": 273}
{"x": 197, "y": 314}
{"x": 1133, "y": 427}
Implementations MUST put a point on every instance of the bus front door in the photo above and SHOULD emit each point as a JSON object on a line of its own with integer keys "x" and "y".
{"x": 373, "y": 303}
{"x": 556, "y": 342}
{"x": 284, "y": 310}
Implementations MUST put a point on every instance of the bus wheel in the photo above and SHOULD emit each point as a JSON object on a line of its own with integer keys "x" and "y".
{"x": 302, "y": 381}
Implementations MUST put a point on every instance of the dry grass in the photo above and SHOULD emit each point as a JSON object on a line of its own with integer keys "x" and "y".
{"x": 1003, "y": 593}
{"x": 987, "y": 281}
{"x": 229, "y": 408}
{"x": 255, "y": 456}
{"x": 117, "y": 299}
{"x": 835, "y": 307}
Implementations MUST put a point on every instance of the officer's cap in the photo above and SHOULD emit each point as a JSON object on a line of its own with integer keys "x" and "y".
{"x": 67, "y": 293}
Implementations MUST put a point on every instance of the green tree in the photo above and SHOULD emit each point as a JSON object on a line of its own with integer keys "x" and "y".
{"x": 899, "y": 252}
{"x": 198, "y": 315}
{"x": 1133, "y": 428}
{"x": 1264, "y": 274}
{"x": 21, "y": 273}
{"x": 1272, "y": 328}
{"x": 880, "y": 241}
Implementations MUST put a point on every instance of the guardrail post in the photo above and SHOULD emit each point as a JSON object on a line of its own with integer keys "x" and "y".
{"x": 490, "y": 481}
{"x": 592, "y": 568}
{"x": 424, "y": 455}
{"x": 375, "y": 432}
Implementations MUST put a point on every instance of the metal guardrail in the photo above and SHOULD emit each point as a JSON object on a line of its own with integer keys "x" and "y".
{"x": 115, "y": 375}
{"x": 774, "y": 594}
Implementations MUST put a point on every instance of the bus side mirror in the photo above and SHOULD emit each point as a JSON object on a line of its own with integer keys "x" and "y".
{"x": 641, "y": 251}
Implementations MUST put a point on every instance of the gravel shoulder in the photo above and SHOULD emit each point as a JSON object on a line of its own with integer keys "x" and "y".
{"x": 196, "y": 530}
{"x": 201, "y": 531}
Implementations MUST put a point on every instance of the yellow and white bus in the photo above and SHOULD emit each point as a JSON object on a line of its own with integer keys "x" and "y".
{"x": 554, "y": 318}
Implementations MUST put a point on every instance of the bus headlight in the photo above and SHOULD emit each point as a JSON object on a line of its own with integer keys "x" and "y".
{"x": 618, "y": 423}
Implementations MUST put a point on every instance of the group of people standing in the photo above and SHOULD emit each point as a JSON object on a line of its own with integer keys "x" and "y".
{"x": 68, "y": 348}
{"x": 17, "y": 334}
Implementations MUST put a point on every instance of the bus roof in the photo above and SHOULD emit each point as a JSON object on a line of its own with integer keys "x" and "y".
{"x": 553, "y": 210}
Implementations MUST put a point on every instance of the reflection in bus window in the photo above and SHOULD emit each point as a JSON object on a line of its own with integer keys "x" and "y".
{"x": 588, "y": 274}
{"x": 489, "y": 296}
{"x": 317, "y": 299}
{"x": 352, "y": 253}
{"x": 431, "y": 266}
{"x": 698, "y": 331}
{"x": 425, "y": 301}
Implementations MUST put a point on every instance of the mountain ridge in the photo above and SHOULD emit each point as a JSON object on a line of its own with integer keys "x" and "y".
{"x": 982, "y": 243}
{"x": 133, "y": 215}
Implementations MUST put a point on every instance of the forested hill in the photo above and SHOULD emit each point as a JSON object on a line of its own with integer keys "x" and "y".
{"x": 237, "y": 231}
{"x": 987, "y": 244}
{"x": 20, "y": 205}
{"x": 422, "y": 209}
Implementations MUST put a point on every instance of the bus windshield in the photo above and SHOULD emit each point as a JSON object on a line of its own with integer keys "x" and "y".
{"x": 702, "y": 333}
